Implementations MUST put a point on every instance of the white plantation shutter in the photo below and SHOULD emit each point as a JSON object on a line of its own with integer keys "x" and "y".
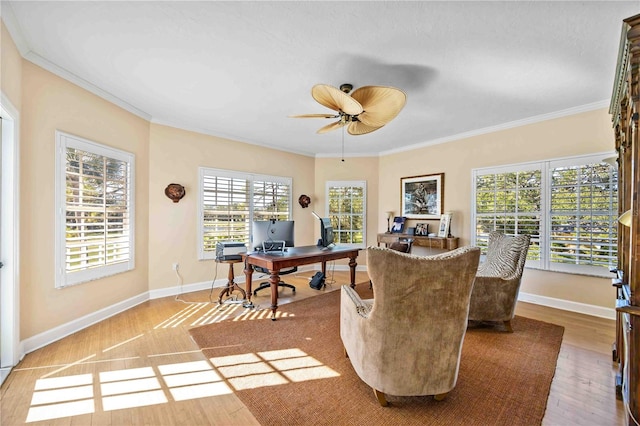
{"x": 509, "y": 202}
{"x": 231, "y": 200}
{"x": 271, "y": 198}
{"x": 568, "y": 206}
{"x": 94, "y": 221}
{"x": 583, "y": 217}
{"x": 225, "y": 207}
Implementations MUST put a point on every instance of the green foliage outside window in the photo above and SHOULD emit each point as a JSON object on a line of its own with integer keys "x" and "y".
{"x": 579, "y": 221}
{"x": 346, "y": 211}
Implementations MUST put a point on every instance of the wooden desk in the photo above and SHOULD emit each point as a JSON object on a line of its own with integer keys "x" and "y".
{"x": 420, "y": 240}
{"x": 295, "y": 256}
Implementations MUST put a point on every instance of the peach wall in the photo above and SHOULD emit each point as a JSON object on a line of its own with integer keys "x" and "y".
{"x": 10, "y": 68}
{"x": 174, "y": 157}
{"x": 51, "y": 103}
{"x": 584, "y": 133}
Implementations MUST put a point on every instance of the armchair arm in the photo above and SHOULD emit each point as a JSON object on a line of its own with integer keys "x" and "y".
{"x": 361, "y": 307}
{"x": 355, "y": 328}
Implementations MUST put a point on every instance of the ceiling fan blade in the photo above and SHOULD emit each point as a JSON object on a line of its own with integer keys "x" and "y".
{"x": 315, "y": 116}
{"x": 381, "y": 104}
{"x": 335, "y": 99}
{"x": 358, "y": 128}
{"x": 330, "y": 127}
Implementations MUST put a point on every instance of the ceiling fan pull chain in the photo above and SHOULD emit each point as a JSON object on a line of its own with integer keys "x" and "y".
{"x": 343, "y": 144}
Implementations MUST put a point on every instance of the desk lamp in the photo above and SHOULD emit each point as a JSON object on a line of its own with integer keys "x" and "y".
{"x": 389, "y": 216}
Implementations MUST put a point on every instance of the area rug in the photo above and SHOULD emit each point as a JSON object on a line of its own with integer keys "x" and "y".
{"x": 293, "y": 371}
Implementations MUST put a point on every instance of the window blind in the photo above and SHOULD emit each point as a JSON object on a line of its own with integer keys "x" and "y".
{"x": 568, "y": 206}
{"x": 95, "y": 214}
{"x": 231, "y": 200}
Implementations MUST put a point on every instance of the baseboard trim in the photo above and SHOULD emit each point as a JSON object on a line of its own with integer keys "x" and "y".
{"x": 50, "y": 336}
{"x": 43, "y": 339}
{"x": 189, "y": 288}
{"x": 567, "y": 305}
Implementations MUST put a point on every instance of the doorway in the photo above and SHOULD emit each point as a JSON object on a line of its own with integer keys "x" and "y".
{"x": 9, "y": 254}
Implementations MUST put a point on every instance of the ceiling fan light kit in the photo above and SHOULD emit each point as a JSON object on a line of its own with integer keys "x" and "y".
{"x": 367, "y": 109}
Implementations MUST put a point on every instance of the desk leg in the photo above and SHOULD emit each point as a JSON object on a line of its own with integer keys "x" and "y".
{"x": 352, "y": 271}
{"x": 248, "y": 274}
{"x": 274, "y": 279}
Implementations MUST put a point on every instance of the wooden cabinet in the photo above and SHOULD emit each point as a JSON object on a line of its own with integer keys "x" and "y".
{"x": 625, "y": 109}
{"x": 422, "y": 241}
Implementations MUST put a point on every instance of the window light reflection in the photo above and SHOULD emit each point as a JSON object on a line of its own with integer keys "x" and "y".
{"x": 68, "y": 396}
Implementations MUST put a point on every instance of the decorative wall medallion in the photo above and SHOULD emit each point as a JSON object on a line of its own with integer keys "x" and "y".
{"x": 304, "y": 201}
{"x": 175, "y": 191}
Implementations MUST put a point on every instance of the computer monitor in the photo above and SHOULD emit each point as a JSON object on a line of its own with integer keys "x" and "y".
{"x": 266, "y": 231}
{"x": 326, "y": 231}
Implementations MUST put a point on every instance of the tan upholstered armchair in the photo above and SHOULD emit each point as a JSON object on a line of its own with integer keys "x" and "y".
{"x": 495, "y": 291}
{"x": 406, "y": 341}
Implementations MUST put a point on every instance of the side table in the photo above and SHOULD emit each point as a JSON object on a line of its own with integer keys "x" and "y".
{"x": 231, "y": 284}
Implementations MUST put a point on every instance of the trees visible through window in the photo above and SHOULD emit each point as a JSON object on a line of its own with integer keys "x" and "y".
{"x": 231, "y": 200}
{"x": 94, "y": 221}
{"x": 568, "y": 207}
{"x": 347, "y": 202}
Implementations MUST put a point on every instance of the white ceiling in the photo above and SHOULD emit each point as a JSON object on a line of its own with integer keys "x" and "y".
{"x": 239, "y": 69}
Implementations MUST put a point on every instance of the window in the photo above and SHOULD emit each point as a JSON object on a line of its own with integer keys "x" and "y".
{"x": 347, "y": 210}
{"x": 94, "y": 220}
{"x": 231, "y": 200}
{"x": 568, "y": 207}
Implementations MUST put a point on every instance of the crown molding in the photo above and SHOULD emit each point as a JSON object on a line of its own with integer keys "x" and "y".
{"x": 8, "y": 17}
{"x": 10, "y": 21}
{"x": 78, "y": 81}
{"x": 350, "y": 155}
{"x": 504, "y": 126}
{"x": 222, "y": 135}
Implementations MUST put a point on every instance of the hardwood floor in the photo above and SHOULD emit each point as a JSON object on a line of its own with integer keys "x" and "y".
{"x": 141, "y": 367}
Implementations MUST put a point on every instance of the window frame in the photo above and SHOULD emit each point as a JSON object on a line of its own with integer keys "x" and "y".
{"x": 251, "y": 178}
{"x": 348, "y": 183}
{"x": 546, "y": 167}
{"x": 62, "y": 277}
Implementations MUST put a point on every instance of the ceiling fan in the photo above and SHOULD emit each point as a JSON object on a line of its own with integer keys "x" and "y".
{"x": 367, "y": 109}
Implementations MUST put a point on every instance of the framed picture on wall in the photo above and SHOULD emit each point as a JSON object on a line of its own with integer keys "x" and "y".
{"x": 422, "y": 197}
{"x": 445, "y": 223}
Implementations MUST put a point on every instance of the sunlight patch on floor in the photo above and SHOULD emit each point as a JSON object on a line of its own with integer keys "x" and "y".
{"x": 68, "y": 396}
{"x": 179, "y": 317}
{"x": 270, "y": 368}
{"x": 57, "y": 411}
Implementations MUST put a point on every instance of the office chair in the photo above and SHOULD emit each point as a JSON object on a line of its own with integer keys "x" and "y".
{"x": 267, "y": 284}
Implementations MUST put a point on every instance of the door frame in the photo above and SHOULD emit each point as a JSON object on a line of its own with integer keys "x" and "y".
{"x": 9, "y": 239}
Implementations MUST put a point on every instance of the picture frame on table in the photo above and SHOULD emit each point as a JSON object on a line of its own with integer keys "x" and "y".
{"x": 422, "y": 197}
{"x": 445, "y": 224}
{"x": 398, "y": 225}
{"x": 422, "y": 229}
